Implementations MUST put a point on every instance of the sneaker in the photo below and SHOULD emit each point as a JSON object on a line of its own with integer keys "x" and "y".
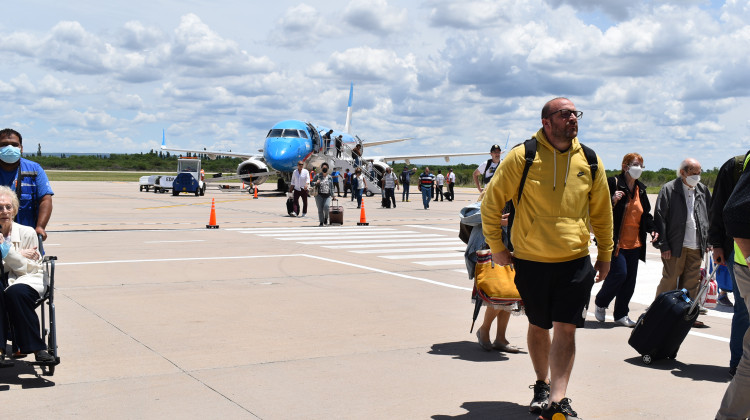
{"x": 599, "y": 313}
{"x": 724, "y": 300}
{"x": 558, "y": 411}
{"x": 626, "y": 322}
{"x": 303, "y": 214}
{"x": 541, "y": 397}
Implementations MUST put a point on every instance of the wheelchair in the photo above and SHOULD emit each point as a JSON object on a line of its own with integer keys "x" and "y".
{"x": 46, "y": 303}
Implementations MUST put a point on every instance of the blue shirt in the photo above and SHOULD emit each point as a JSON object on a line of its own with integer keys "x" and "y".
{"x": 32, "y": 190}
{"x": 335, "y": 176}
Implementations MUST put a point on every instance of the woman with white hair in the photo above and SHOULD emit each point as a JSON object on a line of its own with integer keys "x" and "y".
{"x": 22, "y": 263}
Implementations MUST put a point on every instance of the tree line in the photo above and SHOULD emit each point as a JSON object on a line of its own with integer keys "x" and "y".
{"x": 166, "y": 162}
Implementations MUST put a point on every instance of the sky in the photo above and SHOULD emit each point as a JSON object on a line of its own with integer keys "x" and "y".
{"x": 666, "y": 79}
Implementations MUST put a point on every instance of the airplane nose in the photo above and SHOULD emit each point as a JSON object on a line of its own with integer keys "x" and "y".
{"x": 284, "y": 153}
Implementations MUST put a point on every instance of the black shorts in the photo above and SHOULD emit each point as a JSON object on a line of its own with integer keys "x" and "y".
{"x": 555, "y": 292}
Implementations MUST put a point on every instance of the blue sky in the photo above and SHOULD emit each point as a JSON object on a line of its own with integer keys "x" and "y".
{"x": 664, "y": 79}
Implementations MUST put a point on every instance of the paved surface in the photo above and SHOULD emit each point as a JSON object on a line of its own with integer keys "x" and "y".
{"x": 272, "y": 317}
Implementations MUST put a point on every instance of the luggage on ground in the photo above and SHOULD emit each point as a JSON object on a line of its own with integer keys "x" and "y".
{"x": 290, "y": 206}
{"x": 336, "y": 213}
{"x": 385, "y": 202}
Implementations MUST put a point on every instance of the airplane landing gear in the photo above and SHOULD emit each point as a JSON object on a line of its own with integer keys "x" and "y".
{"x": 281, "y": 185}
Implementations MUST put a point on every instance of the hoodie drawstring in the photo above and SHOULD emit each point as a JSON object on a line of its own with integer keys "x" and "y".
{"x": 567, "y": 170}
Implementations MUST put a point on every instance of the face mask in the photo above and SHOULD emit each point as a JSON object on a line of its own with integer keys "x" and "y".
{"x": 10, "y": 154}
{"x": 325, "y": 170}
{"x": 693, "y": 180}
{"x": 635, "y": 172}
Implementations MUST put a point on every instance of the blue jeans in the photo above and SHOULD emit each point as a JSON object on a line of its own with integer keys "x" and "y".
{"x": 324, "y": 204}
{"x": 620, "y": 282}
{"x": 740, "y": 319}
{"x": 426, "y": 196}
{"x": 358, "y": 194}
{"x": 405, "y": 192}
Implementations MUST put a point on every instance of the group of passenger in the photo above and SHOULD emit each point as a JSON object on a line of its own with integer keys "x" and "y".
{"x": 554, "y": 205}
{"x": 25, "y": 210}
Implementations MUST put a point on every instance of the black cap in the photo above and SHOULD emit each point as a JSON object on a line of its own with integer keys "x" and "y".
{"x": 494, "y": 147}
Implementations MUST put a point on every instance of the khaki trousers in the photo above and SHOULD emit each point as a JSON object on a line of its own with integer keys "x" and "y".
{"x": 736, "y": 402}
{"x": 681, "y": 272}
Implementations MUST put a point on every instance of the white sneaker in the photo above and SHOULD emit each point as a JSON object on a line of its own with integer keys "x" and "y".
{"x": 626, "y": 322}
{"x": 599, "y": 313}
{"x": 303, "y": 214}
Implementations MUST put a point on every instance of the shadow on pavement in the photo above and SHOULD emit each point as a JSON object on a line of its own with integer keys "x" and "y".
{"x": 490, "y": 410}
{"x": 719, "y": 374}
{"x": 467, "y": 350}
{"x": 596, "y": 325}
{"x": 24, "y": 375}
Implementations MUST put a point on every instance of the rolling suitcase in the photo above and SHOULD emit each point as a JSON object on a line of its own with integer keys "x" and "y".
{"x": 336, "y": 213}
{"x": 660, "y": 331}
{"x": 385, "y": 202}
{"x": 290, "y": 206}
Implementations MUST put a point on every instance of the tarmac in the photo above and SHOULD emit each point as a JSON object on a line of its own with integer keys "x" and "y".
{"x": 272, "y": 317}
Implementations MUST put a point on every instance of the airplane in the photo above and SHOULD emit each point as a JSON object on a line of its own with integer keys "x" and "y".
{"x": 290, "y": 141}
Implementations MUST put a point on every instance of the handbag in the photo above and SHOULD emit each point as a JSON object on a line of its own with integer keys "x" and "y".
{"x": 312, "y": 191}
{"x": 495, "y": 283}
{"x": 710, "y": 298}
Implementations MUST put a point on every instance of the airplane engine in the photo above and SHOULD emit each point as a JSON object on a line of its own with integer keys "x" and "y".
{"x": 379, "y": 167}
{"x": 252, "y": 166}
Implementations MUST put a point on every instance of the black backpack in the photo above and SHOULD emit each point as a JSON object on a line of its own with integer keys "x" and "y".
{"x": 530, "y": 153}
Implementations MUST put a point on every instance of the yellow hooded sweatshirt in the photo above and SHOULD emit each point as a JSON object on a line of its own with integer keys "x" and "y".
{"x": 558, "y": 203}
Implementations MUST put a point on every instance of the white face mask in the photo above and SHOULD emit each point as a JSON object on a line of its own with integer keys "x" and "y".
{"x": 692, "y": 180}
{"x": 635, "y": 171}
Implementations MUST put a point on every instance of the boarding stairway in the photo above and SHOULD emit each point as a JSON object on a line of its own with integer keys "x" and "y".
{"x": 347, "y": 162}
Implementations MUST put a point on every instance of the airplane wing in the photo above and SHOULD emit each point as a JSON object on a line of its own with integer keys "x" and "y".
{"x": 381, "y": 142}
{"x": 408, "y": 158}
{"x": 213, "y": 154}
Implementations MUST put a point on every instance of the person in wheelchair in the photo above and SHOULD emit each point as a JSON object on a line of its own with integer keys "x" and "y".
{"x": 22, "y": 264}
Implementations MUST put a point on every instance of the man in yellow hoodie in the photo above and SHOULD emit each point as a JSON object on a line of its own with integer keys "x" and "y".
{"x": 550, "y": 237}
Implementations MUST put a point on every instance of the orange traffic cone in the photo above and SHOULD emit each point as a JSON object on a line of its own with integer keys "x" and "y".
{"x": 212, "y": 219}
{"x": 362, "y": 218}
{"x": 255, "y": 192}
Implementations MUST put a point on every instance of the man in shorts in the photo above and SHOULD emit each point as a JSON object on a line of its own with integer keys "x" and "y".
{"x": 550, "y": 236}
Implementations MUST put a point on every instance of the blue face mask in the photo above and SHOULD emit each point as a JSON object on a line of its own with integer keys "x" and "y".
{"x": 10, "y": 154}
{"x": 4, "y": 248}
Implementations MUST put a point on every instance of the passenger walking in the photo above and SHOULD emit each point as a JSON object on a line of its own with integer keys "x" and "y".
{"x": 335, "y": 177}
{"x": 405, "y": 181}
{"x": 681, "y": 218}
{"x": 339, "y": 145}
{"x": 300, "y": 185}
{"x": 348, "y": 182}
{"x": 28, "y": 180}
{"x": 358, "y": 185}
{"x": 426, "y": 181}
{"x": 736, "y": 401}
{"x": 327, "y": 140}
{"x": 486, "y": 170}
{"x": 632, "y": 220}
{"x": 389, "y": 182}
{"x": 324, "y": 183}
{"x": 553, "y": 268}
{"x": 724, "y": 252}
{"x": 439, "y": 181}
{"x": 451, "y": 181}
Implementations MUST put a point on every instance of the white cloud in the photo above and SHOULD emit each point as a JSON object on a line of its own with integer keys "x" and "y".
{"x": 375, "y": 16}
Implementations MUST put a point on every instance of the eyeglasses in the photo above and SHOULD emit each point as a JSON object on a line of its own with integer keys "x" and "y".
{"x": 566, "y": 113}
{"x": 6, "y": 207}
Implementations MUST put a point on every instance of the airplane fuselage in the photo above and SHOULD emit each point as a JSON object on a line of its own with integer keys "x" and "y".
{"x": 290, "y": 141}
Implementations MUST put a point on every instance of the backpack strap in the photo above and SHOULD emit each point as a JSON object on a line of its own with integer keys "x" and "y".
{"x": 530, "y": 147}
{"x": 486, "y": 168}
{"x": 591, "y": 159}
{"x": 739, "y": 166}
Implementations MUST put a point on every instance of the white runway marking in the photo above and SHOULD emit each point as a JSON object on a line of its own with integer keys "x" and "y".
{"x": 324, "y": 232}
{"x": 455, "y": 231}
{"x": 458, "y": 249}
{"x": 417, "y": 256}
{"x": 386, "y": 243}
{"x": 363, "y": 239}
{"x": 174, "y": 242}
{"x": 446, "y": 262}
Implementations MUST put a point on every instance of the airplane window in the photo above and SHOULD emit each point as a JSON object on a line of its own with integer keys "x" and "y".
{"x": 275, "y": 133}
{"x": 291, "y": 133}
{"x": 303, "y": 134}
